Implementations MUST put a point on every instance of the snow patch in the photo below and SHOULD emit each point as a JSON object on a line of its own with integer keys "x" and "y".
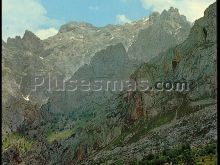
{"x": 26, "y": 98}
{"x": 145, "y": 19}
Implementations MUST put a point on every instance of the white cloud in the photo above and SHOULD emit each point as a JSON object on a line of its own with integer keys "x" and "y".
{"x": 45, "y": 33}
{"x": 192, "y": 9}
{"x": 121, "y": 18}
{"x": 95, "y": 8}
{"x": 21, "y": 15}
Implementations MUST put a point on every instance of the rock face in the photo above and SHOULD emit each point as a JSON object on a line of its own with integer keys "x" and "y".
{"x": 95, "y": 127}
{"x": 166, "y": 30}
{"x": 186, "y": 129}
{"x": 20, "y": 61}
{"x": 22, "y": 54}
{"x": 111, "y": 64}
{"x": 194, "y": 60}
{"x": 76, "y": 43}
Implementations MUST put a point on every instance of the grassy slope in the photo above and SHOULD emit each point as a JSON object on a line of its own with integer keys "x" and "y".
{"x": 23, "y": 144}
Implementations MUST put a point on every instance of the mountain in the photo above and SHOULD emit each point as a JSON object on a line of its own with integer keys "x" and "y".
{"x": 21, "y": 60}
{"x": 155, "y": 121}
{"x": 112, "y": 126}
{"x": 76, "y": 43}
{"x": 166, "y": 30}
{"x": 110, "y": 64}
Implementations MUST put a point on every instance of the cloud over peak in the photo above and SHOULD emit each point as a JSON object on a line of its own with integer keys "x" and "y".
{"x": 121, "y": 18}
{"x": 46, "y": 33}
{"x": 21, "y": 15}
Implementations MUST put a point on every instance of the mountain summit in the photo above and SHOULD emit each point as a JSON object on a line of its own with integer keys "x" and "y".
{"x": 166, "y": 30}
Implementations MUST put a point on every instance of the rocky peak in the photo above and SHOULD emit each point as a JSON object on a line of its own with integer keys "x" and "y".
{"x": 28, "y": 42}
{"x": 166, "y": 30}
{"x": 154, "y": 16}
{"x": 172, "y": 14}
{"x": 195, "y": 58}
{"x": 111, "y": 53}
{"x": 28, "y": 35}
{"x": 110, "y": 62}
{"x": 76, "y": 43}
{"x": 76, "y": 26}
{"x": 31, "y": 41}
{"x": 13, "y": 41}
{"x": 173, "y": 10}
{"x": 211, "y": 11}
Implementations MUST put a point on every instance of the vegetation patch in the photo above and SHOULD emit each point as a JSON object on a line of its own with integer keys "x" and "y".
{"x": 183, "y": 155}
{"x": 23, "y": 143}
{"x": 59, "y": 135}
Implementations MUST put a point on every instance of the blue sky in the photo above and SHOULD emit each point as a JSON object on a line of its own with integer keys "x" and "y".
{"x": 44, "y": 17}
{"x": 97, "y": 12}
